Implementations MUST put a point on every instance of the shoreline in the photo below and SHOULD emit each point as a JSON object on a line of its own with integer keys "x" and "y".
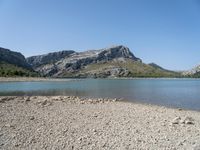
{"x": 70, "y": 122}
{"x": 33, "y": 79}
{"x": 37, "y": 79}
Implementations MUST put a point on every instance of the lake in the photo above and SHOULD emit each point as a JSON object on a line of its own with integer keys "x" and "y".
{"x": 182, "y": 93}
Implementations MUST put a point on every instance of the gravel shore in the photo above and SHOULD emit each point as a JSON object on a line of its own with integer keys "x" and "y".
{"x": 67, "y": 122}
{"x": 31, "y": 79}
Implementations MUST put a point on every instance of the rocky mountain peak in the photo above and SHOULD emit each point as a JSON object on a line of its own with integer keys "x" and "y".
{"x": 115, "y": 52}
{"x": 119, "y": 51}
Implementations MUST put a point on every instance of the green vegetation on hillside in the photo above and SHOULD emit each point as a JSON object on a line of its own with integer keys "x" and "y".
{"x": 196, "y": 75}
{"x": 134, "y": 68}
{"x": 10, "y": 70}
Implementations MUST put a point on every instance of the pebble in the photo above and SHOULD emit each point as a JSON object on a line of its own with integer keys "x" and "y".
{"x": 95, "y": 115}
{"x": 1, "y": 144}
{"x": 32, "y": 118}
{"x": 44, "y": 102}
{"x": 197, "y": 147}
{"x": 106, "y": 124}
{"x": 114, "y": 100}
{"x": 176, "y": 120}
{"x": 94, "y": 130}
{"x": 2, "y": 100}
{"x": 27, "y": 99}
{"x": 8, "y": 125}
{"x": 188, "y": 120}
{"x": 82, "y": 102}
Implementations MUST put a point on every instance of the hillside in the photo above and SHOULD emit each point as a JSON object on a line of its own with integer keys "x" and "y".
{"x": 117, "y": 61}
{"x": 194, "y": 72}
{"x": 117, "y": 68}
{"x": 36, "y": 61}
{"x": 10, "y": 70}
{"x": 14, "y": 64}
{"x": 14, "y": 58}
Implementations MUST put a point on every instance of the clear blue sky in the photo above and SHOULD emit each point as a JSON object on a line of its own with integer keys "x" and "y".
{"x": 166, "y": 32}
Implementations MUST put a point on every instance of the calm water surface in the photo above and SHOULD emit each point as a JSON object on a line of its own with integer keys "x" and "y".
{"x": 184, "y": 93}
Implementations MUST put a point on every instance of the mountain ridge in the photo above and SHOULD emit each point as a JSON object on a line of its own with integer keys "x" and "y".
{"x": 115, "y": 61}
{"x": 78, "y": 60}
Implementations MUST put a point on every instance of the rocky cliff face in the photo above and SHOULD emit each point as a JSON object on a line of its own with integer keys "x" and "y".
{"x": 10, "y": 57}
{"x": 37, "y": 61}
{"x": 66, "y": 62}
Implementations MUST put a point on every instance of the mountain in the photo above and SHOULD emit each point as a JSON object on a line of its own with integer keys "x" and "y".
{"x": 40, "y": 60}
{"x": 14, "y": 64}
{"x": 194, "y": 72}
{"x": 117, "y": 61}
{"x": 12, "y": 57}
{"x": 156, "y": 66}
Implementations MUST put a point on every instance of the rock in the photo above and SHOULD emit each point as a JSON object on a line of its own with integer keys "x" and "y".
{"x": 9, "y": 125}
{"x": 27, "y": 99}
{"x": 44, "y": 102}
{"x": 95, "y": 115}
{"x": 94, "y": 131}
{"x": 82, "y": 102}
{"x": 1, "y": 144}
{"x": 114, "y": 100}
{"x": 176, "y": 120}
{"x": 2, "y": 100}
{"x": 196, "y": 147}
{"x": 32, "y": 117}
{"x": 17, "y": 144}
{"x": 187, "y": 120}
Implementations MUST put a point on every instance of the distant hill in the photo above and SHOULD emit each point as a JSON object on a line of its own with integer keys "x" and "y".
{"x": 117, "y": 61}
{"x": 14, "y": 64}
{"x": 194, "y": 72}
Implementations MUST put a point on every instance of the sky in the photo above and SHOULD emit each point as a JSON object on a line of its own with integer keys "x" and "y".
{"x": 166, "y": 32}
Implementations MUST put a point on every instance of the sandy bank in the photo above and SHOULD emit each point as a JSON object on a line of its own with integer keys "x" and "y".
{"x": 74, "y": 123}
